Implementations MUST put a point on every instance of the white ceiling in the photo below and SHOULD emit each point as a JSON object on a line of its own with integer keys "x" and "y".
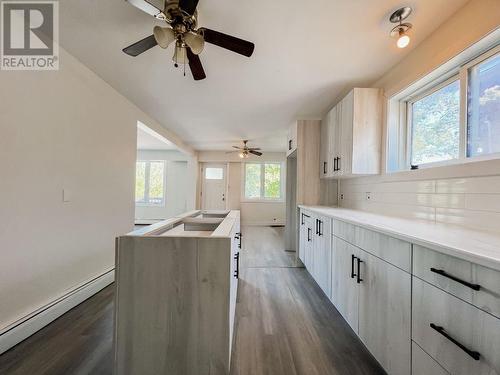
{"x": 148, "y": 141}
{"x": 307, "y": 53}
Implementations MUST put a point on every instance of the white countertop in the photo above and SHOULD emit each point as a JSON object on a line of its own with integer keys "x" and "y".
{"x": 476, "y": 246}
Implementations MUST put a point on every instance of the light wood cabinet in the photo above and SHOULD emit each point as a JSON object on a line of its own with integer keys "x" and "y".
{"x": 303, "y": 234}
{"x": 351, "y": 135}
{"x": 424, "y": 364}
{"x": 322, "y": 253}
{"x": 385, "y": 313}
{"x": 344, "y": 288}
{"x": 291, "y": 144}
{"x": 460, "y": 337}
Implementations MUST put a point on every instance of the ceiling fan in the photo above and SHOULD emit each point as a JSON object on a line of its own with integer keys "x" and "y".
{"x": 245, "y": 151}
{"x": 181, "y": 17}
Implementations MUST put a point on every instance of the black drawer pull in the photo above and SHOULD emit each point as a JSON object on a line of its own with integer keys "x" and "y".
{"x": 445, "y": 274}
{"x": 358, "y": 276}
{"x": 353, "y": 275}
{"x": 309, "y": 234}
{"x": 237, "y": 271}
{"x": 442, "y": 331}
{"x": 324, "y": 167}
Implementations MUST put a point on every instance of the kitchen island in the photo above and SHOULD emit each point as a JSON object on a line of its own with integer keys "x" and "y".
{"x": 176, "y": 285}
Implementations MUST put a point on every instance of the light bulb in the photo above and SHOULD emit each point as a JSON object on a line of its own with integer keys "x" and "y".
{"x": 241, "y": 155}
{"x": 403, "y": 40}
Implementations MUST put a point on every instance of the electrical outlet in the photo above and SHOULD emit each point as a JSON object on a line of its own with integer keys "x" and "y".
{"x": 368, "y": 196}
{"x": 342, "y": 197}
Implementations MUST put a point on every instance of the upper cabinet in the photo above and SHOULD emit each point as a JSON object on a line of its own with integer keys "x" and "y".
{"x": 291, "y": 144}
{"x": 351, "y": 135}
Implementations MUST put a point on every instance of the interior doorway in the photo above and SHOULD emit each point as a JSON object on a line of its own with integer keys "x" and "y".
{"x": 214, "y": 186}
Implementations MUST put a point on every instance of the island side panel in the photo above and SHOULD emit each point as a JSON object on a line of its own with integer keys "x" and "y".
{"x": 170, "y": 304}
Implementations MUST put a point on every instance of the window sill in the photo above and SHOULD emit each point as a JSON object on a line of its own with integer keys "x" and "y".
{"x": 474, "y": 167}
{"x": 246, "y": 200}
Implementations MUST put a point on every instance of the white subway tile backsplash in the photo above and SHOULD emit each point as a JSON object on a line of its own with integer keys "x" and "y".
{"x": 484, "y": 185}
{"x": 482, "y": 202}
{"x": 472, "y": 202}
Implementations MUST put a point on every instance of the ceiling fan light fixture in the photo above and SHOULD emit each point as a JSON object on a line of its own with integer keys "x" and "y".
{"x": 401, "y": 30}
{"x": 164, "y": 36}
{"x": 180, "y": 55}
{"x": 195, "y": 42}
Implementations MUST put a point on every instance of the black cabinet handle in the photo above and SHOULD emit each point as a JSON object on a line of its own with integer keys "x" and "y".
{"x": 353, "y": 275}
{"x": 301, "y": 219}
{"x": 338, "y": 163}
{"x": 317, "y": 231}
{"x": 445, "y": 274}
{"x": 309, "y": 234}
{"x": 442, "y": 331}
{"x": 358, "y": 276}
{"x": 335, "y": 164}
{"x": 320, "y": 228}
{"x": 324, "y": 167}
{"x": 237, "y": 271}
{"x": 289, "y": 145}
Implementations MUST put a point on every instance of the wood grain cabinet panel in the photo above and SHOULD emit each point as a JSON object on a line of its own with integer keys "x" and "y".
{"x": 322, "y": 250}
{"x": 460, "y": 337}
{"x": 485, "y": 279}
{"x": 385, "y": 313}
{"x": 392, "y": 250}
{"x": 423, "y": 364}
{"x": 344, "y": 290}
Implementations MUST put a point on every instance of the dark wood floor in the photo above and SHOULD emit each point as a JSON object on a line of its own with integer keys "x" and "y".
{"x": 285, "y": 326}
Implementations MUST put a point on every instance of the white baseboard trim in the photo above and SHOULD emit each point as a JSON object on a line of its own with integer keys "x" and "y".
{"x": 33, "y": 322}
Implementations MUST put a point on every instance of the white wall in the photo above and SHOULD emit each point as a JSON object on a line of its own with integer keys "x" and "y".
{"x": 252, "y": 213}
{"x": 176, "y": 186}
{"x": 66, "y": 129}
{"x": 467, "y": 195}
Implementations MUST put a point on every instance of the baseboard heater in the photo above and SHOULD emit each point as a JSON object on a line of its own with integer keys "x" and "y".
{"x": 33, "y": 322}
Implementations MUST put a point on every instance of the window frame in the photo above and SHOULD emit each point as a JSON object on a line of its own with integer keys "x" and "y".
{"x": 460, "y": 73}
{"x": 262, "y": 198}
{"x": 147, "y": 173}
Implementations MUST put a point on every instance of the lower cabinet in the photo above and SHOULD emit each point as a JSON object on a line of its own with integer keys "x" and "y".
{"x": 385, "y": 313}
{"x": 424, "y": 364}
{"x": 344, "y": 287}
{"x": 322, "y": 253}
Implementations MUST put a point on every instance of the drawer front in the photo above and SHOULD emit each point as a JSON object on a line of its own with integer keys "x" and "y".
{"x": 487, "y": 298}
{"x": 392, "y": 250}
{"x": 423, "y": 364}
{"x": 473, "y": 329}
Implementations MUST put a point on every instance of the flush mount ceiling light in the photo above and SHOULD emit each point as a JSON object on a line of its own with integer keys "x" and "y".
{"x": 401, "y": 30}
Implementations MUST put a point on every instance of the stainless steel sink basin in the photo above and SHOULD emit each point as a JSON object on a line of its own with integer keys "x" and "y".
{"x": 201, "y": 224}
{"x": 214, "y": 214}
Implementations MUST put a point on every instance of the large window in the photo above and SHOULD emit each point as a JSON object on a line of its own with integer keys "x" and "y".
{"x": 263, "y": 181}
{"x": 456, "y": 119}
{"x": 150, "y": 183}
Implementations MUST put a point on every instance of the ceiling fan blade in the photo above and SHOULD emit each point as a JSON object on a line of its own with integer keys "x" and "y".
{"x": 141, "y": 46}
{"x": 239, "y": 148}
{"x": 228, "y": 42}
{"x": 255, "y": 152}
{"x": 164, "y": 36}
{"x": 148, "y": 7}
{"x": 188, "y": 6}
{"x": 195, "y": 65}
{"x": 254, "y": 148}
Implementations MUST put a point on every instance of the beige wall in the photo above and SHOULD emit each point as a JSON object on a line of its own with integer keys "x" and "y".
{"x": 453, "y": 194}
{"x": 252, "y": 213}
{"x": 66, "y": 129}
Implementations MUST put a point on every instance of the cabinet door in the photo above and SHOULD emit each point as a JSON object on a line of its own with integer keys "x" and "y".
{"x": 324, "y": 147}
{"x": 309, "y": 245}
{"x": 303, "y": 236}
{"x": 322, "y": 254}
{"x": 344, "y": 290}
{"x": 335, "y": 135}
{"x": 346, "y": 126}
{"x": 385, "y": 313}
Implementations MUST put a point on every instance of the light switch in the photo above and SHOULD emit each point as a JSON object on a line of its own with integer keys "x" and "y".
{"x": 66, "y": 195}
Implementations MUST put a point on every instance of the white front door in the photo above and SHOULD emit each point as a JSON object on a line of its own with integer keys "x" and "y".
{"x": 213, "y": 192}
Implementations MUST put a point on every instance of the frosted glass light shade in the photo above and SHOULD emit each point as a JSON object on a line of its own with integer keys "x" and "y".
{"x": 164, "y": 36}
{"x": 195, "y": 42}
{"x": 403, "y": 41}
